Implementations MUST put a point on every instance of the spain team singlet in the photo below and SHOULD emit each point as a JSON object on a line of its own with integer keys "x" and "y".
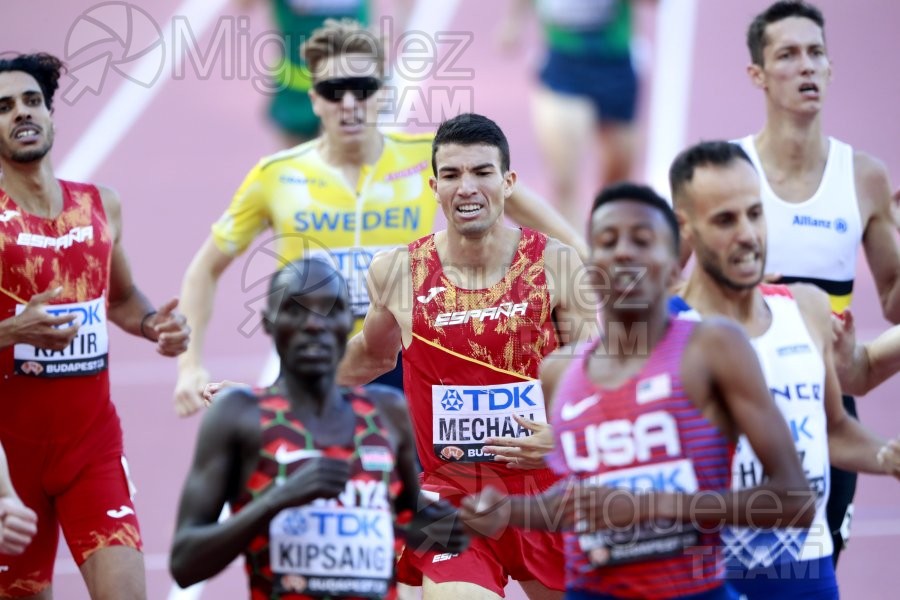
{"x": 56, "y": 393}
{"x": 335, "y": 548}
{"x": 473, "y": 364}
{"x": 645, "y": 435}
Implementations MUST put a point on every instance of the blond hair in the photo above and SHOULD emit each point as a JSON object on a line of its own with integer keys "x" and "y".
{"x": 337, "y": 38}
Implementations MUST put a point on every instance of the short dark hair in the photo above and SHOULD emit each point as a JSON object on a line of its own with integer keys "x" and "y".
{"x": 717, "y": 153}
{"x": 470, "y": 129}
{"x": 633, "y": 192}
{"x": 299, "y": 270}
{"x": 45, "y": 68}
{"x": 783, "y": 9}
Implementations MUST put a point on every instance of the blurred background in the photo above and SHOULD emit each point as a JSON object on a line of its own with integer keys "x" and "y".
{"x": 166, "y": 103}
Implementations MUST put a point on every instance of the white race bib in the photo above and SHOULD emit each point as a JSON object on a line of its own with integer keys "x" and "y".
{"x": 329, "y": 550}
{"x": 86, "y": 354}
{"x": 648, "y": 540}
{"x": 353, "y": 264}
{"x": 464, "y": 416}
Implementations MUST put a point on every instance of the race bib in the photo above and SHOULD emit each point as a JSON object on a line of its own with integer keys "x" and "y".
{"x": 330, "y": 550}
{"x": 576, "y": 14}
{"x": 86, "y": 354}
{"x": 648, "y": 540}
{"x": 464, "y": 416}
{"x": 353, "y": 264}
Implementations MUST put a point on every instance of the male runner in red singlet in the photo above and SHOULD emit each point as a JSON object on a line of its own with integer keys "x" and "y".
{"x": 315, "y": 474}
{"x": 474, "y": 308}
{"x": 63, "y": 276}
{"x": 646, "y": 428}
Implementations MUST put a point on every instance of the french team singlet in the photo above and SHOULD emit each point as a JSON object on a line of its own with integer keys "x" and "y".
{"x": 780, "y": 563}
{"x": 795, "y": 374}
{"x": 330, "y": 548}
{"x": 312, "y": 210}
{"x": 815, "y": 241}
{"x": 473, "y": 364}
{"x": 57, "y": 393}
{"x": 646, "y": 435}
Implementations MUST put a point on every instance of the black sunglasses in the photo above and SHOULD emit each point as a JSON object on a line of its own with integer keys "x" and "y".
{"x": 333, "y": 90}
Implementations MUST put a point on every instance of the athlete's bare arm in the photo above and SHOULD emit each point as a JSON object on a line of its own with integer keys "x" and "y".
{"x": 862, "y": 367}
{"x": 36, "y": 327}
{"x": 730, "y": 397}
{"x": 227, "y": 450}
{"x": 744, "y": 399}
{"x": 198, "y": 291}
{"x": 433, "y": 525}
{"x": 530, "y": 210}
{"x": 874, "y": 191}
{"x": 18, "y": 523}
{"x": 128, "y": 307}
{"x": 373, "y": 351}
{"x": 851, "y": 446}
{"x": 573, "y": 298}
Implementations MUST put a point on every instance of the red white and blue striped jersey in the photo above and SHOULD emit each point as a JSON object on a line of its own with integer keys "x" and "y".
{"x": 646, "y": 435}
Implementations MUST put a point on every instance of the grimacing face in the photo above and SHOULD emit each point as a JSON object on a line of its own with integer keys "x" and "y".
{"x": 470, "y": 187}
{"x": 26, "y": 126}
{"x": 726, "y": 225}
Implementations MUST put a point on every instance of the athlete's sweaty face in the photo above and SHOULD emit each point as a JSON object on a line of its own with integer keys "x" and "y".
{"x": 309, "y": 318}
{"x": 26, "y": 128}
{"x": 726, "y": 225}
{"x": 796, "y": 71}
{"x": 632, "y": 261}
{"x": 349, "y": 118}
{"x": 471, "y": 187}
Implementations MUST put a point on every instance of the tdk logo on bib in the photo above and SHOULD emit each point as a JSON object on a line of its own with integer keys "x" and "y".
{"x": 490, "y": 398}
{"x": 452, "y": 400}
{"x": 466, "y": 415}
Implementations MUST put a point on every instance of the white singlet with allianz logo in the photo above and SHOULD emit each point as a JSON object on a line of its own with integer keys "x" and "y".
{"x": 86, "y": 354}
{"x": 466, "y": 415}
{"x": 795, "y": 373}
{"x": 816, "y": 240}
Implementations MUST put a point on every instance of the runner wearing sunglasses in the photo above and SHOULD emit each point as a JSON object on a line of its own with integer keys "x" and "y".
{"x": 349, "y": 193}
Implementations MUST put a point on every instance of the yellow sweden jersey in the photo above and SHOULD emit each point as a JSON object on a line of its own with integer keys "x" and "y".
{"x": 312, "y": 209}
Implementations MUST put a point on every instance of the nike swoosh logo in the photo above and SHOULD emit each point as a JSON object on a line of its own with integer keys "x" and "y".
{"x": 283, "y": 456}
{"x": 570, "y": 411}
{"x": 123, "y": 511}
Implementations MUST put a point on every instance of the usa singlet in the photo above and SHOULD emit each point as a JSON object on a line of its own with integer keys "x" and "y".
{"x": 44, "y": 390}
{"x": 473, "y": 364}
{"x": 335, "y": 548}
{"x": 646, "y": 435}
